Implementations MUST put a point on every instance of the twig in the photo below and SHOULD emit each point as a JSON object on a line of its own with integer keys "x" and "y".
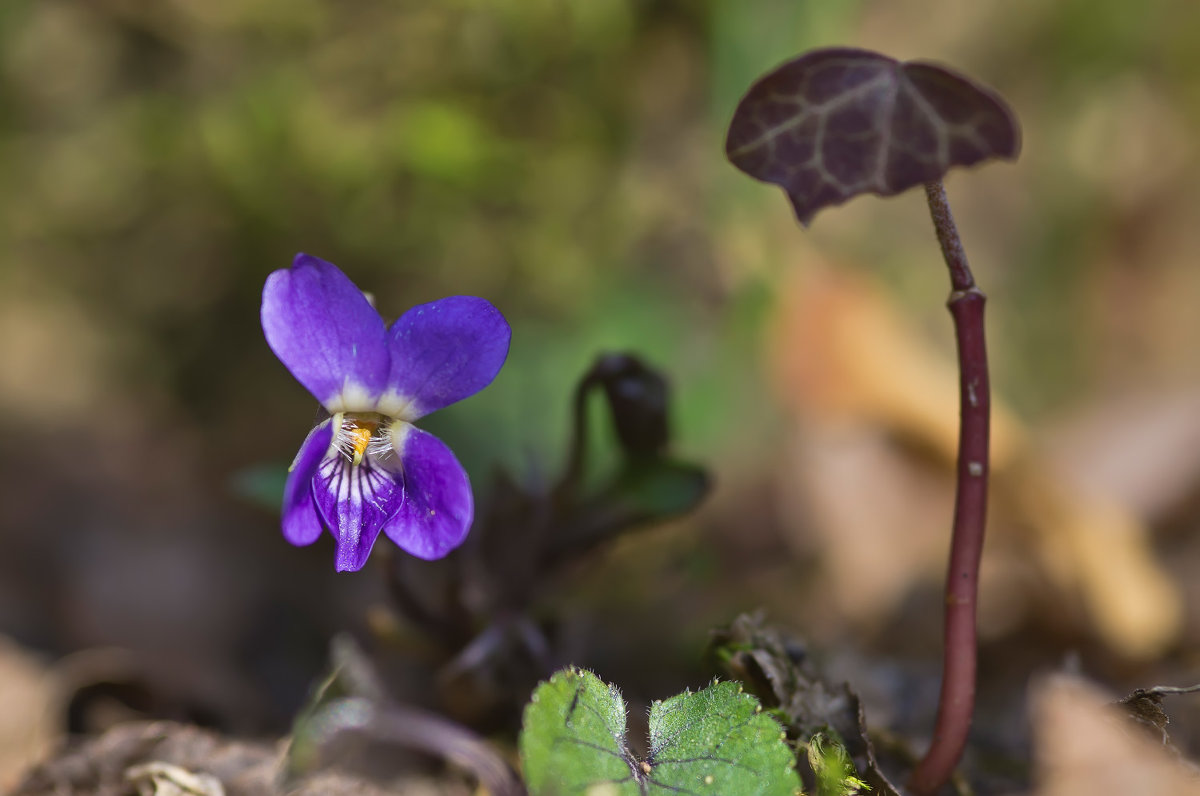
{"x": 1173, "y": 689}
{"x": 957, "y": 700}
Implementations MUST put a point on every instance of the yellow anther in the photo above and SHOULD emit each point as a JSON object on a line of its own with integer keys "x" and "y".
{"x": 359, "y": 438}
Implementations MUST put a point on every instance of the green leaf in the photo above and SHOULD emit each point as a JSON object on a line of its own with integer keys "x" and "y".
{"x": 716, "y": 741}
{"x": 574, "y": 736}
{"x": 660, "y": 488}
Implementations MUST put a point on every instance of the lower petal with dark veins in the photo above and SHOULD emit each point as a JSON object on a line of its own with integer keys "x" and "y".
{"x": 355, "y": 501}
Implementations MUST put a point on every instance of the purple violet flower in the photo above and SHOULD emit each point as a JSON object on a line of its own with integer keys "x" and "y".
{"x": 367, "y": 468}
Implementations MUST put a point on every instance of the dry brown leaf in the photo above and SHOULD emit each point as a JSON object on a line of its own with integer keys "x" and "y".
{"x": 840, "y": 348}
{"x": 28, "y": 712}
{"x": 859, "y": 378}
{"x": 165, "y": 755}
{"x": 1084, "y": 745}
{"x": 1140, "y": 449}
{"x": 879, "y": 522}
{"x": 1098, "y": 548}
{"x": 164, "y": 779}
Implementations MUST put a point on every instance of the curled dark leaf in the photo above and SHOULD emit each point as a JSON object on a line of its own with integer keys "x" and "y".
{"x": 637, "y": 396}
{"x": 838, "y": 122}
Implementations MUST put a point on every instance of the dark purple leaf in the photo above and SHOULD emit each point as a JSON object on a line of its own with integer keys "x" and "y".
{"x": 838, "y": 122}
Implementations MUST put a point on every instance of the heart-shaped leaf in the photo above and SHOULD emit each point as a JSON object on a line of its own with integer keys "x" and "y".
{"x": 838, "y": 122}
{"x": 714, "y": 741}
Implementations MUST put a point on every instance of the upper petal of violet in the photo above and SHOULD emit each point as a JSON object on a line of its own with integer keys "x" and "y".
{"x": 327, "y": 334}
{"x": 442, "y": 352}
{"x": 301, "y": 522}
{"x": 438, "y": 504}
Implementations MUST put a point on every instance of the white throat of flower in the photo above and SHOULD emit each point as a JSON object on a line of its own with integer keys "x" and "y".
{"x": 362, "y": 435}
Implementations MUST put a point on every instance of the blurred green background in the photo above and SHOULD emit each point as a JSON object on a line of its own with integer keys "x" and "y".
{"x": 562, "y": 158}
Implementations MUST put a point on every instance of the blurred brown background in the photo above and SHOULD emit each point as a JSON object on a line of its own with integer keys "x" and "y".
{"x": 564, "y": 159}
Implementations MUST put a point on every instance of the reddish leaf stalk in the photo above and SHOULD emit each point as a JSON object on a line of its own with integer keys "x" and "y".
{"x": 957, "y": 701}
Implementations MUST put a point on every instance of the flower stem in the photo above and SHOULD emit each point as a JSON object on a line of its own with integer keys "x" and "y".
{"x": 957, "y": 700}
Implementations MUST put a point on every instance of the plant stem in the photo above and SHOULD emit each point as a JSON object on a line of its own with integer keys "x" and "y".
{"x": 577, "y": 450}
{"x": 957, "y": 700}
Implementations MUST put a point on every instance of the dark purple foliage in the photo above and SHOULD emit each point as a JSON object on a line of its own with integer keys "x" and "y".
{"x": 838, "y": 122}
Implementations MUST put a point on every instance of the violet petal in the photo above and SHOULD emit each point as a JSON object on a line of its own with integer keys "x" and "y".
{"x": 438, "y": 504}
{"x": 355, "y": 501}
{"x": 442, "y": 352}
{"x": 301, "y": 522}
{"x": 327, "y": 334}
